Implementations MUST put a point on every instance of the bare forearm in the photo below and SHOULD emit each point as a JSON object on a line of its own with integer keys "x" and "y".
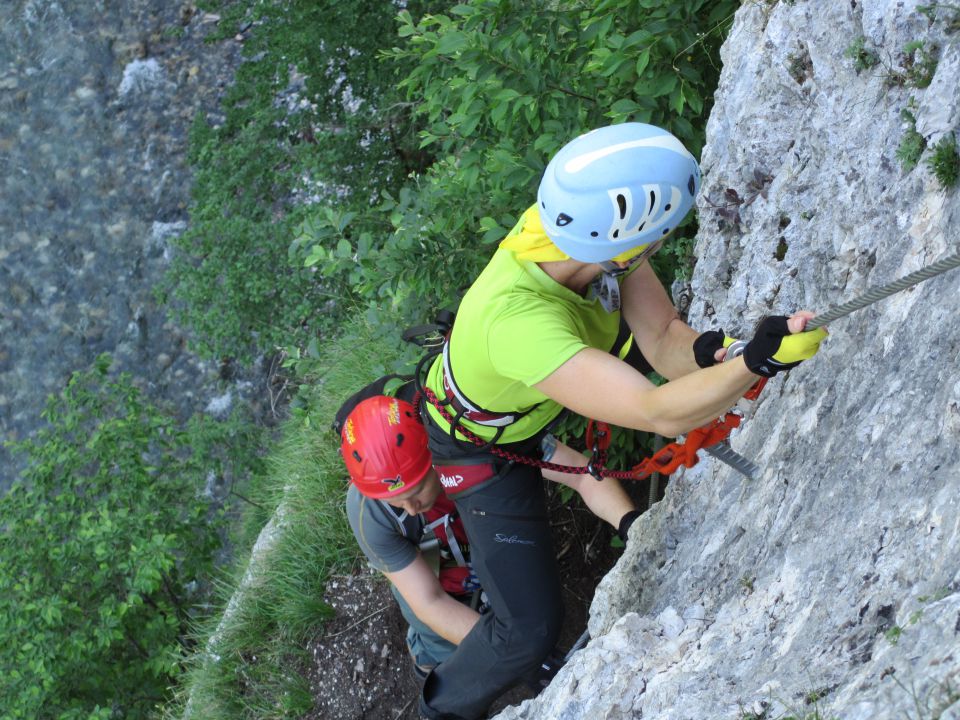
{"x": 417, "y": 584}
{"x": 450, "y": 619}
{"x": 663, "y": 338}
{"x": 596, "y": 384}
{"x": 606, "y": 498}
{"x": 673, "y": 355}
{"x": 697, "y": 398}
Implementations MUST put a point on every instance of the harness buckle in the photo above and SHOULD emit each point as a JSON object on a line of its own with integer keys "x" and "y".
{"x": 594, "y": 470}
{"x": 597, "y": 452}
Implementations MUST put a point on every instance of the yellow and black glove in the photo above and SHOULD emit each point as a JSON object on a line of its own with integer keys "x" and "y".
{"x": 706, "y": 345}
{"x": 774, "y": 348}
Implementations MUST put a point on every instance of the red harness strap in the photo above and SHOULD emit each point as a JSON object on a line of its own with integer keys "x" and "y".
{"x": 444, "y": 521}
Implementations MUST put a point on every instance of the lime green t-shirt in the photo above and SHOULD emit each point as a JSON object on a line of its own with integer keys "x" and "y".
{"x": 515, "y": 326}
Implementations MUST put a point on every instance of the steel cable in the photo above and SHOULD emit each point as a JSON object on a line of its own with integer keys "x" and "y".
{"x": 878, "y": 293}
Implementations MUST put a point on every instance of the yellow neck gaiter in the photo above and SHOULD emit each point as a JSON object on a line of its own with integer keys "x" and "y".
{"x": 529, "y": 242}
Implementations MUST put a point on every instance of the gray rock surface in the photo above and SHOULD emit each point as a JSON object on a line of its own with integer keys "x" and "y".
{"x": 829, "y": 587}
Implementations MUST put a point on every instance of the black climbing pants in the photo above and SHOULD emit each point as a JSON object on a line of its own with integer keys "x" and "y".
{"x": 512, "y": 553}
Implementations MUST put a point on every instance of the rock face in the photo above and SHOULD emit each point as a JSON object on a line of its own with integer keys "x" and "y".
{"x": 95, "y": 109}
{"x": 829, "y": 587}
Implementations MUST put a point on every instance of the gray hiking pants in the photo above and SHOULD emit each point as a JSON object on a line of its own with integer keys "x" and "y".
{"x": 512, "y": 554}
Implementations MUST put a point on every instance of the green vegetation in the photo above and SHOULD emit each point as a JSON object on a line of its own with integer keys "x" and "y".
{"x": 912, "y": 144}
{"x": 863, "y": 57}
{"x": 309, "y": 209}
{"x": 498, "y": 88}
{"x": 247, "y": 662}
{"x": 893, "y": 634}
{"x": 811, "y": 698}
{"x": 920, "y": 61}
{"x": 311, "y": 122}
{"x": 944, "y": 161}
{"x": 106, "y": 542}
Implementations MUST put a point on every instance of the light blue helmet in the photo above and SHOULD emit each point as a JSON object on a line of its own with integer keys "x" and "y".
{"x": 616, "y": 189}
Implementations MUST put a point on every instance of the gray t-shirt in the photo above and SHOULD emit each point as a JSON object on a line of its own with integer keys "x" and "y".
{"x": 388, "y": 537}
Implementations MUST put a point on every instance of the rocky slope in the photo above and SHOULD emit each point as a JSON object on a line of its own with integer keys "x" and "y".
{"x": 96, "y": 101}
{"x": 829, "y": 587}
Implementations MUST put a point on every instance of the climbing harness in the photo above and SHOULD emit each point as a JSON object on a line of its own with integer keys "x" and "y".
{"x": 443, "y": 543}
{"x": 665, "y": 461}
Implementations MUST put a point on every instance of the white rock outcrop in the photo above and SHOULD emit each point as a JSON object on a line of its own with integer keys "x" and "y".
{"x": 829, "y": 587}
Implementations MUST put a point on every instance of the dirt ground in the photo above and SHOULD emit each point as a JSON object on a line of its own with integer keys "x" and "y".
{"x": 359, "y": 668}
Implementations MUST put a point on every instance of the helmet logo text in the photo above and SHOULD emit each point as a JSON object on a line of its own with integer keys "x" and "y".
{"x": 393, "y": 484}
{"x": 393, "y": 413}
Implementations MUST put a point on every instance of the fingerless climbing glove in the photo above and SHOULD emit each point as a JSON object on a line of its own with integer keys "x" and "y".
{"x": 706, "y": 345}
{"x": 773, "y": 347}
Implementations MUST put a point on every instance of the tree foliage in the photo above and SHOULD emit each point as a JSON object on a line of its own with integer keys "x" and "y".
{"x": 370, "y": 159}
{"x": 499, "y": 87}
{"x": 102, "y": 542}
{"x": 311, "y": 121}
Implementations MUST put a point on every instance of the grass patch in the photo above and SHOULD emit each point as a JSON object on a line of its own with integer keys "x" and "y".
{"x": 290, "y": 542}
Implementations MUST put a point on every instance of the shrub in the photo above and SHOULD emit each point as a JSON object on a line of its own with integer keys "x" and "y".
{"x": 311, "y": 120}
{"x": 912, "y": 144}
{"x": 944, "y": 161}
{"x": 863, "y": 57}
{"x": 500, "y": 87}
{"x": 102, "y": 544}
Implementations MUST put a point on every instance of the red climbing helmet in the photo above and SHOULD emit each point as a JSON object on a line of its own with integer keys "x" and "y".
{"x": 384, "y": 445}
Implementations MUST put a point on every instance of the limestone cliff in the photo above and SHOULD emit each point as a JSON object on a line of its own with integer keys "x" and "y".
{"x": 829, "y": 586}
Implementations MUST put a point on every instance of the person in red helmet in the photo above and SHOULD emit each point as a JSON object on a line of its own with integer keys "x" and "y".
{"x": 409, "y": 530}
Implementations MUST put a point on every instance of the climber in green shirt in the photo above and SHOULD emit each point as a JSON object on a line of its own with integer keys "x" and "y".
{"x": 533, "y": 336}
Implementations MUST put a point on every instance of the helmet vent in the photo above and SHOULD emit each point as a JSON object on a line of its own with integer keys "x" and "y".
{"x": 563, "y": 219}
{"x": 616, "y": 233}
{"x": 356, "y": 456}
{"x": 622, "y": 204}
{"x": 640, "y": 227}
{"x": 653, "y": 201}
{"x": 666, "y": 208}
{"x": 594, "y": 233}
{"x": 691, "y": 185}
{"x": 399, "y": 439}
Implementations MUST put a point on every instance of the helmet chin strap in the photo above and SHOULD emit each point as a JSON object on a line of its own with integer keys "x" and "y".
{"x": 613, "y": 269}
{"x": 606, "y": 287}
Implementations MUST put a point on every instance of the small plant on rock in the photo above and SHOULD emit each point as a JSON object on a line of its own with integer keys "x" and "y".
{"x": 912, "y": 144}
{"x": 944, "y": 163}
{"x": 920, "y": 61}
{"x": 893, "y": 634}
{"x": 863, "y": 57}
